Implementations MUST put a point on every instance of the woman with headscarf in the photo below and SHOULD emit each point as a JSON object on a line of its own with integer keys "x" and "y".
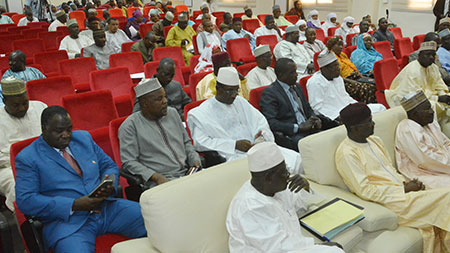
{"x": 313, "y": 20}
{"x": 297, "y": 10}
{"x": 331, "y": 21}
{"x": 132, "y": 26}
{"x": 302, "y": 29}
{"x": 346, "y": 28}
{"x": 365, "y": 56}
{"x": 359, "y": 87}
{"x": 51, "y": 14}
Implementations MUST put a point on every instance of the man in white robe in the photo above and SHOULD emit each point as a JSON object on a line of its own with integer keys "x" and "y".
{"x": 236, "y": 33}
{"x": 17, "y": 123}
{"x": 311, "y": 44}
{"x": 93, "y": 24}
{"x": 249, "y": 15}
{"x": 346, "y": 28}
{"x": 290, "y": 48}
{"x": 74, "y": 42}
{"x": 208, "y": 37}
{"x": 326, "y": 89}
{"x": 228, "y": 124}
{"x": 262, "y": 74}
{"x": 269, "y": 29}
{"x": 29, "y": 18}
{"x": 263, "y": 215}
{"x": 61, "y": 19}
{"x": 115, "y": 36}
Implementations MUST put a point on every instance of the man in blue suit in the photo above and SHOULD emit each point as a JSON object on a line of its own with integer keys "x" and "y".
{"x": 55, "y": 175}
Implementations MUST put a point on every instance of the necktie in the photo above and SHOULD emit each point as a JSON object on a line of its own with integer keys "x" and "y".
{"x": 72, "y": 162}
{"x": 297, "y": 99}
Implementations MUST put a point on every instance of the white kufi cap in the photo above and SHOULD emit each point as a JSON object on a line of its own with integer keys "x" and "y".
{"x": 264, "y": 156}
{"x": 292, "y": 28}
{"x": 146, "y": 86}
{"x": 228, "y": 76}
{"x": 261, "y": 49}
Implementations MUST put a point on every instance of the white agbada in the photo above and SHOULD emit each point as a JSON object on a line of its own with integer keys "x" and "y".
{"x": 74, "y": 46}
{"x": 24, "y": 21}
{"x": 330, "y": 97}
{"x": 12, "y": 130}
{"x": 116, "y": 39}
{"x": 211, "y": 38}
{"x": 344, "y": 30}
{"x": 258, "y": 77}
{"x": 88, "y": 33}
{"x": 217, "y": 126}
{"x": 260, "y": 223}
{"x": 55, "y": 24}
{"x": 295, "y": 51}
{"x": 264, "y": 31}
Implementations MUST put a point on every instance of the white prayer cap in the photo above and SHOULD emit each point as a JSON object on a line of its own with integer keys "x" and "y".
{"x": 264, "y": 156}
{"x": 412, "y": 100}
{"x": 428, "y": 45}
{"x": 92, "y": 10}
{"x": 146, "y": 86}
{"x": 300, "y": 22}
{"x": 325, "y": 58}
{"x": 182, "y": 17}
{"x": 153, "y": 12}
{"x": 204, "y": 5}
{"x": 261, "y": 49}
{"x": 275, "y": 7}
{"x": 291, "y": 29}
{"x": 71, "y": 22}
{"x": 444, "y": 33}
{"x": 349, "y": 19}
{"x": 228, "y": 76}
{"x": 169, "y": 16}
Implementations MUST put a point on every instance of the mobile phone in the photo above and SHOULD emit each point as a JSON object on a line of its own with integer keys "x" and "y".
{"x": 103, "y": 184}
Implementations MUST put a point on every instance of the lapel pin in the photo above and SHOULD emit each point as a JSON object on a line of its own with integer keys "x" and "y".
{"x": 93, "y": 162}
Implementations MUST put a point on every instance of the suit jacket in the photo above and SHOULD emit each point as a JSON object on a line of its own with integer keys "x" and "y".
{"x": 46, "y": 185}
{"x": 277, "y": 108}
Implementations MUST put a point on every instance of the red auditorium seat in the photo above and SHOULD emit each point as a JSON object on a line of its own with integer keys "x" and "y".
{"x": 31, "y": 33}
{"x": 417, "y": 40}
{"x": 118, "y": 81}
{"x": 348, "y": 39}
{"x": 402, "y": 47}
{"x": 132, "y": 60}
{"x": 79, "y": 70}
{"x": 193, "y": 80}
{"x": 189, "y": 107}
{"x": 166, "y": 30}
{"x": 262, "y": 18}
{"x": 6, "y": 45}
{"x": 147, "y": 10}
{"x": 331, "y": 31}
{"x": 4, "y": 27}
{"x": 17, "y": 29}
{"x": 193, "y": 62}
{"x": 245, "y": 68}
{"x": 176, "y": 54}
{"x": 320, "y": 34}
{"x": 130, "y": 11}
{"x": 292, "y": 18}
{"x": 270, "y": 40}
{"x": 384, "y": 48}
{"x": 4, "y": 62}
{"x": 397, "y": 31}
{"x": 122, "y": 22}
{"x": 404, "y": 61}
{"x": 150, "y": 70}
{"x": 16, "y": 18}
{"x": 50, "y": 90}
{"x": 126, "y": 47}
{"x": 240, "y": 50}
{"x": 303, "y": 83}
{"x": 49, "y": 60}
{"x": 41, "y": 24}
{"x": 80, "y": 16}
{"x": 114, "y": 126}
{"x": 50, "y": 39}
{"x": 181, "y": 8}
{"x": 9, "y": 14}
{"x": 90, "y": 110}
{"x": 194, "y": 43}
{"x": 250, "y": 25}
{"x": 195, "y": 14}
{"x": 29, "y": 47}
{"x": 255, "y": 96}
{"x": 316, "y": 65}
{"x": 63, "y": 30}
{"x": 115, "y": 13}
{"x": 100, "y": 14}
{"x": 238, "y": 15}
{"x": 349, "y": 50}
{"x": 384, "y": 72}
{"x": 144, "y": 29}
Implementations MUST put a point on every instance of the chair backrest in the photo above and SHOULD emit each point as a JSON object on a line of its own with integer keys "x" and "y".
{"x": 4, "y": 62}
{"x": 404, "y": 61}
{"x": 17, "y": 29}
{"x": 9, "y": 14}
{"x": 4, "y": 27}
{"x": 292, "y": 18}
{"x": 151, "y": 67}
{"x": 29, "y": 47}
{"x": 193, "y": 62}
{"x": 49, "y": 60}
{"x": 239, "y": 49}
{"x": 262, "y": 18}
{"x": 6, "y": 45}
{"x": 80, "y": 107}
{"x": 78, "y": 69}
{"x": 17, "y": 17}
{"x": 31, "y": 33}
{"x": 402, "y": 47}
{"x": 238, "y": 15}
{"x": 144, "y": 29}
{"x": 384, "y": 72}
{"x": 114, "y": 126}
{"x": 417, "y": 40}
{"x": 132, "y": 60}
{"x": 255, "y": 96}
{"x": 171, "y": 52}
{"x": 40, "y": 24}
{"x": 126, "y": 47}
{"x": 117, "y": 80}
{"x": 181, "y": 8}
{"x": 101, "y": 138}
{"x": 100, "y": 14}
{"x": 315, "y": 57}
{"x": 348, "y": 39}
{"x": 384, "y": 48}
{"x": 303, "y": 81}
{"x": 166, "y": 30}
{"x": 49, "y": 39}
{"x": 189, "y": 107}
{"x": 349, "y": 50}
{"x": 63, "y": 30}
{"x": 320, "y": 34}
{"x": 397, "y": 31}
{"x": 80, "y": 16}
{"x": 130, "y": 11}
{"x": 245, "y": 68}
{"x": 250, "y": 25}
{"x": 193, "y": 81}
{"x": 270, "y": 40}
{"x": 194, "y": 43}
{"x": 331, "y": 30}
{"x": 115, "y": 13}
{"x": 50, "y": 90}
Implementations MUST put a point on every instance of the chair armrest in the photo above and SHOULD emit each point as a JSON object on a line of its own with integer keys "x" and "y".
{"x": 132, "y": 179}
{"x": 32, "y": 234}
{"x": 211, "y": 158}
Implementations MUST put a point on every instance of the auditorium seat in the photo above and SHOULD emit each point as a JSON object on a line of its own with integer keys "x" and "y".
{"x": 417, "y": 40}
{"x": 29, "y": 47}
{"x": 240, "y": 50}
{"x": 250, "y": 25}
{"x": 270, "y": 40}
{"x": 79, "y": 70}
{"x": 130, "y": 11}
{"x": 194, "y": 43}
{"x": 404, "y": 61}
{"x": 63, "y": 30}
{"x": 132, "y": 60}
{"x": 402, "y": 47}
{"x": 150, "y": 70}
{"x": 6, "y": 45}
{"x": 193, "y": 63}
{"x": 397, "y": 31}
{"x": 17, "y": 17}
{"x": 245, "y": 68}
{"x": 255, "y": 95}
{"x": 144, "y": 29}
{"x": 176, "y": 54}
{"x": 315, "y": 57}
{"x": 384, "y": 48}
{"x": 80, "y": 16}
{"x": 4, "y": 62}
{"x": 292, "y": 18}
{"x": 100, "y": 14}
{"x": 50, "y": 90}
{"x": 194, "y": 79}
{"x": 126, "y": 47}
{"x": 17, "y": 29}
{"x": 349, "y": 50}
{"x": 195, "y": 14}
{"x": 320, "y": 34}
{"x": 118, "y": 81}
{"x": 349, "y": 37}
{"x": 50, "y": 39}
{"x": 9, "y": 14}
{"x": 41, "y": 24}
{"x": 166, "y": 30}
{"x": 115, "y": 13}
{"x": 262, "y": 18}
{"x": 238, "y": 15}
{"x": 303, "y": 82}
{"x": 90, "y": 110}
{"x": 49, "y": 60}
{"x": 331, "y": 31}
{"x": 384, "y": 72}
{"x": 114, "y": 126}
{"x": 4, "y": 27}
{"x": 31, "y": 33}
{"x": 189, "y": 107}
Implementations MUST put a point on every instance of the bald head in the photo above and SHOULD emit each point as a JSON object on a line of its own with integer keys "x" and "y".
{"x": 165, "y": 71}
{"x": 17, "y": 61}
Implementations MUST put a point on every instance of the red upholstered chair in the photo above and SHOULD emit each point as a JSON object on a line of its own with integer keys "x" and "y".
{"x": 292, "y": 18}
{"x": 384, "y": 72}
{"x": 31, "y": 33}
{"x": 255, "y": 95}
{"x": 303, "y": 83}
{"x": 195, "y": 14}
{"x": 100, "y": 14}
{"x": 17, "y": 29}
{"x": 114, "y": 126}
{"x": 132, "y": 60}
{"x": 79, "y": 70}
{"x": 16, "y": 18}
{"x": 90, "y": 110}
{"x": 50, "y": 39}
{"x": 193, "y": 62}
{"x": 4, "y": 62}
{"x": 320, "y": 34}
{"x": 240, "y": 50}
{"x": 29, "y": 47}
{"x": 6, "y": 45}
{"x": 181, "y": 8}
{"x": 40, "y": 24}
{"x": 218, "y": 14}
{"x": 250, "y": 25}
{"x": 245, "y": 68}
{"x": 316, "y": 65}
{"x": 348, "y": 39}
{"x": 189, "y": 107}
{"x": 118, "y": 81}
{"x": 238, "y": 15}
{"x": 384, "y": 48}
{"x": 262, "y": 18}
{"x": 150, "y": 70}
{"x": 49, "y": 60}
{"x": 331, "y": 31}
{"x": 270, "y": 40}
{"x": 126, "y": 47}
{"x": 397, "y": 31}
{"x": 402, "y": 47}
{"x": 193, "y": 81}
{"x": 80, "y": 16}
{"x": 122, "y": 22}
{"x": 349, "y": 50}
{"x": 144, "y": 29}
{"x": 115, "y": 13}
{"x": 9, "y": 14}
{"x": 404, "y": 61}
{"x": 4, "y": 27}
{"x": 50, "y": 90}
{"x": 176, "y": 54}
{"x": 130, "y": 11}
{"x": 166, "y": 30}
{"x": 417, "y": 40}
{"x": 63, "y": 30}
{"x": 194, "y": 43}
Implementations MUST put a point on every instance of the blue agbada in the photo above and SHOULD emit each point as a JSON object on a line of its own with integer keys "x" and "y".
{"x": 364, "y": 58}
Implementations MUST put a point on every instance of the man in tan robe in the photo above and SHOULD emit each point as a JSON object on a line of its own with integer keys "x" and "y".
{"x": 181, "y": 36}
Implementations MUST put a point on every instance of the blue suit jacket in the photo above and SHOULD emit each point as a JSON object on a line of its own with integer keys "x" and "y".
{"x": 46, "y": 185}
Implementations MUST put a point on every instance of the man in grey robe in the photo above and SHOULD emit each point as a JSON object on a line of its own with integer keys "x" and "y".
{"x": 100, "y": 50}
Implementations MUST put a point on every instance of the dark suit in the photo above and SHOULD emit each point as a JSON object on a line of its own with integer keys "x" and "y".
{"x": 46, "y": 187}
{"x": 277, "y": 108}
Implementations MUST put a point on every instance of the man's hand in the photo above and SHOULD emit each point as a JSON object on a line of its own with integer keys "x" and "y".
{"x": 413, "y": 185}
{"x": 297, "y": 182}
{"x": 105, "y": 192}
{"x": 248, "y": 36}
{"x": 243, "y": 145}
{"x": 87, "y": 204}
{"x": 310, "y": 68}
{"x": 444, "y": 99}
{"x": 317, "y": 123}
{"x": 159, "y": 179}
{"x": 331, "y": 244}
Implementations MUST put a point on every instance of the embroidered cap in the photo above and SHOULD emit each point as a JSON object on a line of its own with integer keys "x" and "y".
{"x": 412, "y": 100}
{"x": 12, "y": 86}
{"x": 146, "y": 86}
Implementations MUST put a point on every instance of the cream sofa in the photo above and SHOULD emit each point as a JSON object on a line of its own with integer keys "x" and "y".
{"x": 188, "y": 214}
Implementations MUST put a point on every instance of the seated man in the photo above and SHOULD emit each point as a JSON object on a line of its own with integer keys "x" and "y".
{"x": 206, "y": 88}
{"x": 229, "y": 125}
{"x": 115, "y": 36}
{"x": 176, "y": 97}
{"x": 383, "y": 33}
{"x": 423, "y": 75}
{"x": 326, "y": 89}
{"x": 61, "y": 19}
{"x": 153, "y": 141}
{"x": 19, "y": 120}
{"x": 363, "y": 28}
{"x": 263, "y": 215}
{"x": 290, "y": 48}
{"x": 93, "y": 24}
{"x": 269, "y": 29}
{"x": 145, "y": 46}
{"x": 55, "y": 176}
{"x": 201, "y": 27}
{"x": 209, "y": 35}
{"x": 205, "y": 10}
{"x": 444, "y": 50}
{"x": 421, "y": 149}
{"x": 279, "y": 19}
{"x": 262, "y": 74}
{"x": 158, "y": 28}
{"x": 249, "y": 15}
{"x": 74, "y": 42}
{"x": 366, "y": 168}
{"x": 181, "y": 36}
{"x": 153, "y": 15}
{"x": 312, "y": 45}
{"x": 286, "y": 109}
{"x": 227, "y": 23}
{"x": 346, "y": 29}
{"x": 236, "y": 33}
{"x": 3, "y": 18}
{"x": 100, "y": 50}
{"x": 29, "y": 18}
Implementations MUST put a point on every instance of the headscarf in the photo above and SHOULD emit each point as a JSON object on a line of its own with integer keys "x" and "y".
{"x": 364, "y": 58}
{"x": 51, "y": 14}
{"x": 316, "y": 23}
{"x": 328, "y": 24}
{"x": 205, "y": 61}
{"x": 346, "y": 20}
{"x": 302, "y": 36}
